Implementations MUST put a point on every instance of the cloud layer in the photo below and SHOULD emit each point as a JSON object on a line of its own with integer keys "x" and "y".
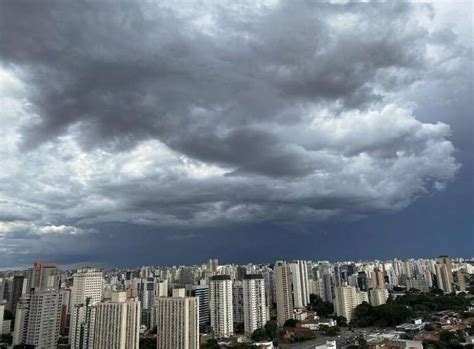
{"x": 218, "y": 114}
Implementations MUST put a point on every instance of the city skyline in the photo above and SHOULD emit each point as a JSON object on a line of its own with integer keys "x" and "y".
{"x": 148, "y": 133}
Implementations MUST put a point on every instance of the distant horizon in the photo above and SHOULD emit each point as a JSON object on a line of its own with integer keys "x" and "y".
{"x": 79, "y": 265}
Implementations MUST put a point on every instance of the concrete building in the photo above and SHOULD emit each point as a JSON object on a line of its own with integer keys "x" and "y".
{"x": 254, "y": 299}
{"x": 377, "y": 279}
{"x": 378, "y": 296}
{"x": 17, "y": 290}
{"x": 37, "y": 319}
{"x": 284, "y": 294}
{"x": 201, "y": 292}
{"x": 299, "y": 279}
{"x": 86, "y": 292}
{"x": 238, "y": 302}
{"x": 347, "y": 298}
{"x": 177, "y": 320}
{"x": 117, "y": 323}
{"x": 43, "y": 276}
{"x": 220, "y": 306}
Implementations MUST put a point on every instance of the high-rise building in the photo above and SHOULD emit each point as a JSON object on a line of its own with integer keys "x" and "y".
{"x": 347, "y": 298}
{"x": 444, "y": 273}
{"x": 146, "y": 294}
{"x": 378, "y": 296}
{"x": 461, "y": 280}
{"x": 299, "y": 279}
{"x": 254, "y": 299}
{"x": 443, "y": 279}
{"x": 220, "y": 306}
{"x": 37, "y": 319}
{"x": 377, "y": 279}
{"x": 43, "y": 276}
{"x": 284, "y": 294}
{"x": 177, "y": 320}
{"x": 18, "y": 288}
{"x": 212, "y": 265}
{"x": 238, "y": 302}
{"x": 201, "y": 292}
{"x": 328, "y": 288}
{"x": 86, "y": 292}
{"x": 362, "y": 281}
{"x": 117, "y": 323}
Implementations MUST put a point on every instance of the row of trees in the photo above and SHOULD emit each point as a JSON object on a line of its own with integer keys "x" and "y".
{"x": 384, "y": 315}
{"x": 433, "y": 302}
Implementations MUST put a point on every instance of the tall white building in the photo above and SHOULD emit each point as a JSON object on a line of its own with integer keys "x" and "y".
{"x": 378, "y": 296}
{"x": 220, "y": 306}
{"x": 299, "y": 277}
{"x": 117, "y": 323}
{"x": 347, "y": 298}
{"x": 254, "y": 299}
{"x": 177, "y": 320}
{"x": 37, "y": 319}
{"x": 284, "y": 295}
{"x": 86, "y": 292}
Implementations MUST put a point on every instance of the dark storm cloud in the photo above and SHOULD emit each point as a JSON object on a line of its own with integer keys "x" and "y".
{"x": 177, "y": 117}
{"x": 137, "y": 70}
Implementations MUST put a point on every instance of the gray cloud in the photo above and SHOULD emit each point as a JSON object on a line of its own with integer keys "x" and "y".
{"x": 170, "y": 116}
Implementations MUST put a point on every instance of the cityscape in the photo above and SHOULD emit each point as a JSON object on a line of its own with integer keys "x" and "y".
{"x": 247, "y": 174}
{"x": 408, "y": 303}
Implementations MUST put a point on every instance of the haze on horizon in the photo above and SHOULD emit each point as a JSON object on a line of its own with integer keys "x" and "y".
{"x": 161, "y": 132}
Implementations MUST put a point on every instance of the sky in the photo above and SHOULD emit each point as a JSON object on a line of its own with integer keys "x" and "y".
{"x": 160, "y": 133}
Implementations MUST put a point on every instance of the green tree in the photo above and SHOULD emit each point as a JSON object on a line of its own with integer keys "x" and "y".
{"x": 210, "y": 344}
{"x": 341, "y": 321}
{"x": 271, "y": 327}
{"x": 332, "y": 331}
{"x": 290, "y": 323}
{"x": 259, "y": 335}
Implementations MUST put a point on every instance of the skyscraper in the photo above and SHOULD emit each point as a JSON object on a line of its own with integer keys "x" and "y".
{"x": 238, "y": 302}
{"x": 284, "y": 296}
{"x": 378, "y": 296}
{"x": 347, "y": 298}
{"x": 299, "y": 278}
{"x": 18, "y": 288}
{"x": 37, "y": 319}
{"x": 177, "y": 320}
{"x": 254, "y": 299}
{"x": 201, "y": 292}
{"x": 86, "y": 292}
{"x": 444, "y": 274}
{"x": 43, "y": 276}
{"x": 220, "y": 306}
{"x": 117, "y": 323}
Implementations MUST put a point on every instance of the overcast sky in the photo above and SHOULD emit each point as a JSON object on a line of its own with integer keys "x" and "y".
{"x": 162, "y": 132}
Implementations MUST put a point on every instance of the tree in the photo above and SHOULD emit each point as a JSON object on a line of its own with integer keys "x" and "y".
{"x": 211, "y": 344}
{"x": 383, "y": 315}
{"x": 437, "y": 291}
{"x": 290, "y": 323}
{"x": 429, "y": 327}
{"x": 332, "y": 331}
{"x": 271, "y": 328}
{"x": 341, "y": 321}
{"x": 259, "y": 335}
{"x": 322, "y": 308}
